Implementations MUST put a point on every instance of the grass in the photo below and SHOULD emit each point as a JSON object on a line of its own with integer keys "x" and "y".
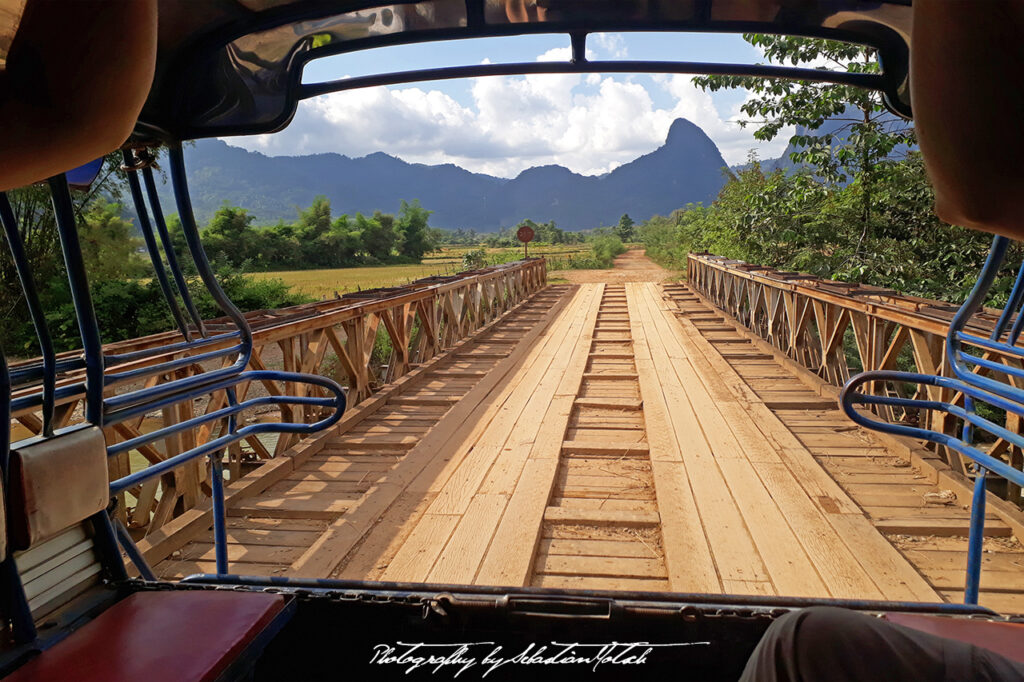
{"x": 323, "y": 284}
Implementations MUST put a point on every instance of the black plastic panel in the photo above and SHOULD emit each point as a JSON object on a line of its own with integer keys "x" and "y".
{"x": 234, "y": 67}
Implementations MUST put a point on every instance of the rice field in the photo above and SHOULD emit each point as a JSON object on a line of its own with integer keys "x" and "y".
{"x": 322, "y": 284}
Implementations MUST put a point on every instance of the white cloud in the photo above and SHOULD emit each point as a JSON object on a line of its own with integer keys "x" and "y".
{"x": 590, "y": 124}
{"x": 612, "y": 45}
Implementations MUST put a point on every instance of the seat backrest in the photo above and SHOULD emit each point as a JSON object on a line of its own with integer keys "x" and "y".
{"x": 1006, "y": 639}
{"x": 56, "y": 488}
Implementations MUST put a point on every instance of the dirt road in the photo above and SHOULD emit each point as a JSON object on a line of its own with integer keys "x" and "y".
{"x": 632, "y": 266}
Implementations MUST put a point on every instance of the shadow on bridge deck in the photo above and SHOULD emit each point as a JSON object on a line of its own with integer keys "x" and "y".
{"x": 616, "y": 436}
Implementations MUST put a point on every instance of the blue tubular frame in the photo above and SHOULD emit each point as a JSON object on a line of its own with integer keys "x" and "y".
{"x": 118, "y": 408}
{"x": 88, "y": 327}
{"x": 974, "y": 387}
{"x": 214, "y": 448}
{"x": 48, "y": 369}
{"x": 154, "y": 253}
{"x": 195, "y": 247}
{"x": 172, "y": 258}
{"x": 243, "y": 334}
{"x": 336, "y": 403}
{"x": 124, "y": 539}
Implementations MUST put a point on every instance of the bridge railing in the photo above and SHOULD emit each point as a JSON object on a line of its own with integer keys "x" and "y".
{"x": 362, "y": 340}
{"x": 836, "y": 329}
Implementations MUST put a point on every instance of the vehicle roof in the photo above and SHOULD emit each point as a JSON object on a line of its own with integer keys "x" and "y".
{"x": 234, "y": 67}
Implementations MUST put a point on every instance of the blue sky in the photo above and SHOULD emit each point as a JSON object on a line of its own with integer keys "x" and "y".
{"x": 503, "y": 125}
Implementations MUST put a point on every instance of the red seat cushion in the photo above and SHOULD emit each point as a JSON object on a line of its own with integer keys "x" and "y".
{"x": 172, "y": 636}
{"x": 1006, "y": 639}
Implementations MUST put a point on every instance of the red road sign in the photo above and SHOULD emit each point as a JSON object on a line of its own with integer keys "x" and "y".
{"x": 525, "y": 234}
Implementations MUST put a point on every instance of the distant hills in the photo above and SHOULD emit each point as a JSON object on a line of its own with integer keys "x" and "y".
{"x": 687, "y": 168}
{"x": 838, "y": 127}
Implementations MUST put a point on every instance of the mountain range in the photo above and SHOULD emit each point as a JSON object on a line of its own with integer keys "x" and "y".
{"x": 687, "y": 168}
{"x": 839, "y": 127}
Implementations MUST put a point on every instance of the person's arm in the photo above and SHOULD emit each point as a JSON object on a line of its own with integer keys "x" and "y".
{"x": 76, "y": 78}
{"x": 967, "y": 65}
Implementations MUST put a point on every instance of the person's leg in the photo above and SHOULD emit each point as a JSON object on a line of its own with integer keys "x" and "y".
{"x": 825, "y": 643}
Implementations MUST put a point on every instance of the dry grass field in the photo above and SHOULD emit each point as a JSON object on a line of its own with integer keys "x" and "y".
{"x": 321, "y": 284}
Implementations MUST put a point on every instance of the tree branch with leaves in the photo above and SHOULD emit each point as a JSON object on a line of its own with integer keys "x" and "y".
{"x": 861, "y": 133}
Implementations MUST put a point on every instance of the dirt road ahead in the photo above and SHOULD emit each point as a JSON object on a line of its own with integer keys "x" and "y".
{"x": 632, "y": 266}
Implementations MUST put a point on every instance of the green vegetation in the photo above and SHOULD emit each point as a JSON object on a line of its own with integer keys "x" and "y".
{"x": 626, "y": 229}
{"x": 474, "y": 259}
{"x": 795, "y": 222}
{"x": 317, "y": 240}
{"x": 858, "y": 207}
{"x": 127, "y": 299}
{"x": 853, "y": 134}
{"x": 606, "y": 248}
{"x": 380, "y": 250}
{"x": 544, "y": 233}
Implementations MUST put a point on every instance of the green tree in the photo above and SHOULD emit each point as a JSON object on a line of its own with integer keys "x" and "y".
{"x": 319, "y": 246}
{"x": 412, "y": 224}
{"x": 230, "y": 238}
{"x": 278, "y": 247}
{"x": 664, "y": 240}
{"x": 345, "y": 241}
{"x": 796, "y": 222}
{"x": 315, "y": 220}
{"x": 34, "y": 221}
{"x": 177, "y": 234}
{"x": 377, "y": 235}
{"x": 606, "y": 248}
{"x": 624, "y": 230}
{"x": 866, "y": 135}
{"x": 110, "y": 248}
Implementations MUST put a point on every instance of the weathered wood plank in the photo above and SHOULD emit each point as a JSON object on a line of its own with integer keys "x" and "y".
{"x": 622, "y": 567}
{"x": 601, "y": 516}
{"x": 422, "y": 462}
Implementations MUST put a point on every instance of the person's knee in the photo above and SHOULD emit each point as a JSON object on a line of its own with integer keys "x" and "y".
{"x": 804, "y": 643}
{"x": 822, "y": 628}
{"x": 817, "y": 626}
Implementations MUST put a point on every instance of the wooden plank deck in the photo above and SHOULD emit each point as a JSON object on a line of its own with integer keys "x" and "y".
{"x": 892, "y": 492}
{"x": 619, "y": 436}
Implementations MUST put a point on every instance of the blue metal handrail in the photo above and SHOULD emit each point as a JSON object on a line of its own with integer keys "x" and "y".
{"x": 973, "y": 386}
{"x": 241, "y": 350}
{"x": 214, "y": 448}
{"x": 239, "y": 344}
{"x": 233, "y": 346}
{"x": 12, "y": 594}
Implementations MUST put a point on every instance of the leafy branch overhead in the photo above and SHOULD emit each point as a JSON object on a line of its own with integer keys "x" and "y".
{"x": 860, "y": 132}
{"x": 859, "y": 209}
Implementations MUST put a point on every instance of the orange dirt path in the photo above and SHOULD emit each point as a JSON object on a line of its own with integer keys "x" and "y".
{"x": 632, "y": 266}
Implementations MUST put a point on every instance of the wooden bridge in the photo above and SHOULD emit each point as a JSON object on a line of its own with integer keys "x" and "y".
{"x": 620, "y": 434}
